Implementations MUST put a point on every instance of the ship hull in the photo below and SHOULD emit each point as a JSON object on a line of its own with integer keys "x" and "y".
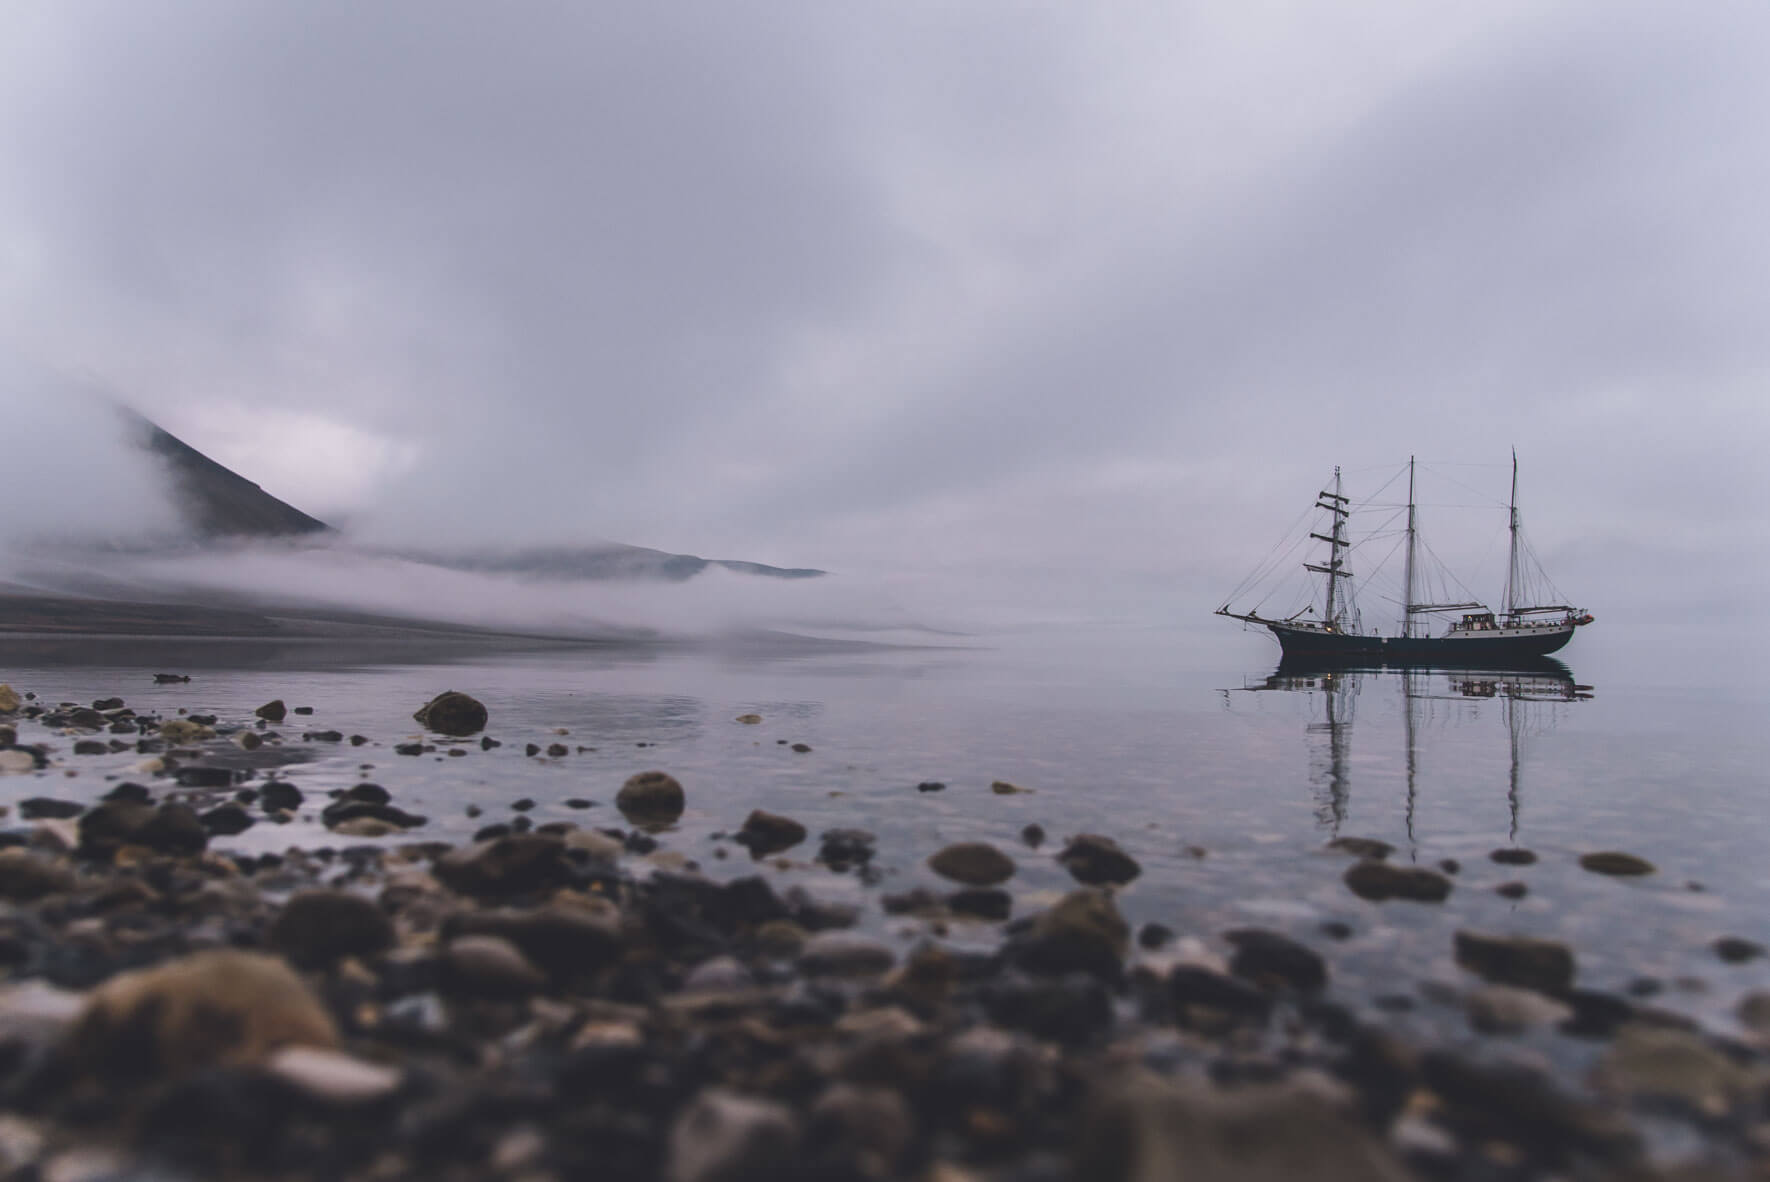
{"x": 1470, "y": 649}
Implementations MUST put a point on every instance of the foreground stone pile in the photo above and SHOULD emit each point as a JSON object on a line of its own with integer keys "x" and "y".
{"x": 558, "y": 1001}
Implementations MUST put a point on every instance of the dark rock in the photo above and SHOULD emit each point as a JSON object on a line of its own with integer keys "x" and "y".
{"x": 324, "y": 736}
{"x": 1450, "y": 865}
{"x": 651, "y": 799}
{"x": 992, "y": 903}
{"x": 131, "y": 793}
{"x": 930, "y": 786}
{"x": 565, "y": 942}
{"x": 802, "y": 748}
{"x": 225, "y": 820}
{"x": 1154, "y": 935}
{"x": 340, "y": 811}
{"x": 410, "y": 749}
{"x": 1735, "y": 950}
{"x": 1511, "y": 890}
{"x": 170, "y": 828}
{"x": 558, "y": 751}
{"x": 1542, "y": 965}
{"x": 452, "y": 713}
{"x": 273, "y": 711}
{"x": 87, "y": 720}
{"x": 1096, "y": 860}
{"x": 1362, "y": 847}
{"x": 108, "y": 704}
{"x": 523, "y": 805}
{"x": 26, "y": 877}
{"x": 1380, "y": 881}
{"x": 532, "y": 749}
{"x": 170, "y": 678}
{"x": 578, "y": 802}
{"x": 1033, "y": 835}
{"x": 845, "y": 848}
{"x": 1335, "y": 929}
{"x": 36, "y": 808}
{"x": 1082, "y": 932}
{"x": 91, "y": 747}
{"x": 513, "y": 865}
{"x": 304, "y": 709}
{"x": 279, "y": 794}
{"x": 1071, "y": 1008}
{"x": 1614, "y": 863}
{"x": 487, "y": 743}
{"x": 766, "y": 833}
{"x": 1272, "y": 960}
{"x": 319, "y": 927}
{"x": 839, "y": 954}
{"x": 974, "y": 863}
{"x": 204, "y": 777}
{"x": 1594, "y": 1014}
{"x": 1196, "y": 985}
{"x": 1515, "y": 1103}
{"x": 1513, "y": 857}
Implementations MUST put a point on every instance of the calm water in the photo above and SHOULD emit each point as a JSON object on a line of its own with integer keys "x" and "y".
{"x": 1225, "y": 784}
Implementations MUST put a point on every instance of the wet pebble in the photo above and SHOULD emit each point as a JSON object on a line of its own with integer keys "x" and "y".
{"x": 974, "y": 863}
{"x": 767, "y": 833}
{"x": 320, "y": 927}
{"x": 1380, "y": 881}
{"x": 650, "y": 798}
{"x": 1095, "y": 860}
{"x": 1543, "y": 965}
{"x": 452, "y": 713}
{"x": 1616, "y": 864}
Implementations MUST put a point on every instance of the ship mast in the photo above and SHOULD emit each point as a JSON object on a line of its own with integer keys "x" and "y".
{"x": 1335, "y": 503}
{"x": 1407, "y": 594}
{"x": 1512, "y": 555}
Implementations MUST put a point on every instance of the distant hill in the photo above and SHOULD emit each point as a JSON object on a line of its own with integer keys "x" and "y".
{"x": 216, "y": 501}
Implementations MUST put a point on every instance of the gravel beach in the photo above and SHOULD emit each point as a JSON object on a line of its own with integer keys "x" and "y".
{"x": 562, "y": 999}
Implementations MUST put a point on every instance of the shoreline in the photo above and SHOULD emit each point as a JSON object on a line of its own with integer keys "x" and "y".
{"x": 570, "y": 998}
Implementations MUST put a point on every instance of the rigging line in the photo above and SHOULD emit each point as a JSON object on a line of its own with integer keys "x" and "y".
{"x": 1266, "y": 565}
{"x": 1468, "y": 489}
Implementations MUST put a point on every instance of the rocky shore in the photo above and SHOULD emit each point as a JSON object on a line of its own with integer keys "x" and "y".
{"x": 565, "y": 1000}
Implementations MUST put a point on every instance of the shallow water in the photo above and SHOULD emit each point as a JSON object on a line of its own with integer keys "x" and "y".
{"x": 1225, "y": 785}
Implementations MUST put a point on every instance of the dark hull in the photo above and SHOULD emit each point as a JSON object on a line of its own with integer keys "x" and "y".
{"x": 1469, "y": 651}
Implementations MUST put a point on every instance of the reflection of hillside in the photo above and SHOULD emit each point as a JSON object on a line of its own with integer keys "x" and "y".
{"x": 1528, "y": 697}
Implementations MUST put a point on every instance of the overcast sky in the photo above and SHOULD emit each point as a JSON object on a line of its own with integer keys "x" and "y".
{"x": 920, "y": 286}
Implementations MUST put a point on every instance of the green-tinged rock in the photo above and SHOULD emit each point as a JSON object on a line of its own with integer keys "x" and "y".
{"x": 974, "y": 863}
{"x": 1616, "y": 864}
{"x": 211, "y": 1009}
{"x": 1380, "y": 881}
{"x": 651, "y": 799}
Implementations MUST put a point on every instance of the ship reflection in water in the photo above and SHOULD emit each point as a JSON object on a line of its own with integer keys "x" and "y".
{"x": 1530, "y": 699}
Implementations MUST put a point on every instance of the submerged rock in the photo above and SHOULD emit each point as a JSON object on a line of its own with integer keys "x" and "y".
{"x": 452, "y": 713}
{"x": 1362, "y": 847}
{"x": 1380, "y": 881}
{"x": 1615, "y": 863}
{"x": 1273, "y": 960}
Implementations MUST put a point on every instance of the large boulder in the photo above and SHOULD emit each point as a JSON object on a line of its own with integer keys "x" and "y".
{"x": 452, "y": 713}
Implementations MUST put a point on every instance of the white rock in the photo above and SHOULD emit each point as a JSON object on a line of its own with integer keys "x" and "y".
{"x": 333, "y": 1076}
{"x": 14, "y": 762}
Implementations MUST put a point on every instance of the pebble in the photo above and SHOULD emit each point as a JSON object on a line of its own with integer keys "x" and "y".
{"x": 1362, "y": 847}
{"x": 1273, "y": 960}
{"x": 1513, "y": 857}
{"x": 1735, "y": 950}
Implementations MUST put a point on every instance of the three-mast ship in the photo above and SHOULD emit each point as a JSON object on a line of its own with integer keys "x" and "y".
{"x": 1476, "y": 636}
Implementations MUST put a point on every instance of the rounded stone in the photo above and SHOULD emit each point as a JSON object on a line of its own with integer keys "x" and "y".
{"x": 1095, "y": 860}
{"x": 1616, "y": 863}
{"x": 651, "y": 798}
{"x": 452, "y": 713}
{"x": 974, "y": 863}
{"x": 319, "y": 927}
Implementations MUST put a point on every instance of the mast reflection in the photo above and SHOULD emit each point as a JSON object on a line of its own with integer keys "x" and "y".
{"x": 1528, "y": 695}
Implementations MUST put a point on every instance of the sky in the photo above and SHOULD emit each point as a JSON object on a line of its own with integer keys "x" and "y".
{"x": 1080, "y": 301}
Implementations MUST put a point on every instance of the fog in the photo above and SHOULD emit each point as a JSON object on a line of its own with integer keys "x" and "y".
{"x": 1011, "y": 318}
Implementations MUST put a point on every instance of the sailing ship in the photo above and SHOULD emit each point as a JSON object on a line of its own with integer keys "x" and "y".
{"x": 1476, "y": 636}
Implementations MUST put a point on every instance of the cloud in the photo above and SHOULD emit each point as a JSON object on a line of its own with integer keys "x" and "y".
{"x": 880, "y": 286}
